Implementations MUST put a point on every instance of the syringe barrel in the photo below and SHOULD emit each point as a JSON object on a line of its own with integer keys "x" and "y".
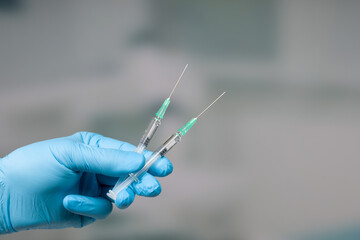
{"x": 168, "y": 144}
{"x": 161, "y": 151}
{"x": 148, "y": 134}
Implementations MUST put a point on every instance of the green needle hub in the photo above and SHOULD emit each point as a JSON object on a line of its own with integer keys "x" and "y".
{"x": 187, "y": 126}
{"x": 162, "y": 109}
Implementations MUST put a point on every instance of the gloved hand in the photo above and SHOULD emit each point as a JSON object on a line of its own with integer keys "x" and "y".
{"x": 63, "y": 182}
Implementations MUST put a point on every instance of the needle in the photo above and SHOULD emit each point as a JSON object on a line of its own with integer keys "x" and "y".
{"x": 177, "y": 82}
{"x": 211, "y": 104}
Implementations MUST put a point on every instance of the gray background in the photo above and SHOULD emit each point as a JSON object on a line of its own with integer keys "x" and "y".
{"x": 277, "y": 158}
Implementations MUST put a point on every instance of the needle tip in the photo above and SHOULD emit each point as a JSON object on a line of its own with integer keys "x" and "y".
{"x": 210, "y": 105}
{"x": 177, "y": 82}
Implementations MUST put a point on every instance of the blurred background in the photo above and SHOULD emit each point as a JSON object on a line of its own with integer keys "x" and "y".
{"x": 277, "y": 158}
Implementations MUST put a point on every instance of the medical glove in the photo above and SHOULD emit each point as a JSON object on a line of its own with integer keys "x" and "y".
{"x": 63, "y": 182}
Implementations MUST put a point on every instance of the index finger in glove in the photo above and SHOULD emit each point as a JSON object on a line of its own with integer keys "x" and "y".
{"x": 84, "y": 158}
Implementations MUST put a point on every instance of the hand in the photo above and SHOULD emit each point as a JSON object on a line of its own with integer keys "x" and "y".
{"x": 63, "y": 182}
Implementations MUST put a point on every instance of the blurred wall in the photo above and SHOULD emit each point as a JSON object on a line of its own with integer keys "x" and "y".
{"x": 277, "y": 158}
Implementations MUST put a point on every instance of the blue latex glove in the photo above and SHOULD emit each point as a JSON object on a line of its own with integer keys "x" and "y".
{"x": 63, "y": 182}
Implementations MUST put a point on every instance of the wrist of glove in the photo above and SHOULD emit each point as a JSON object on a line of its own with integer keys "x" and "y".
{"x": 5, "y": 224}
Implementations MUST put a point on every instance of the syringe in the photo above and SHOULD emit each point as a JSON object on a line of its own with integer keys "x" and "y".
{"x": 156, "y": 121}
{"x": 161, "y": 151}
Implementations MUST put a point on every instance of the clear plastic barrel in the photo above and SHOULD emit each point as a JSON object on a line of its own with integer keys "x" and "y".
{"x": 148, "y": 134}
{"x": 161, "y": 151}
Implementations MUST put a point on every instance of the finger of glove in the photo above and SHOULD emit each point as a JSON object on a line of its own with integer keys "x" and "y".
{"x": 125, "y": 198}
{"x": 161, "y": 167}
{"x": 110, "y": 181}
{"x": 81, "y": 157}
{"x": 94, "y": 207}
{"x": 148, "y": 186}
{"x": 97, "y": 140}
{"x": 106, "y": 180}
